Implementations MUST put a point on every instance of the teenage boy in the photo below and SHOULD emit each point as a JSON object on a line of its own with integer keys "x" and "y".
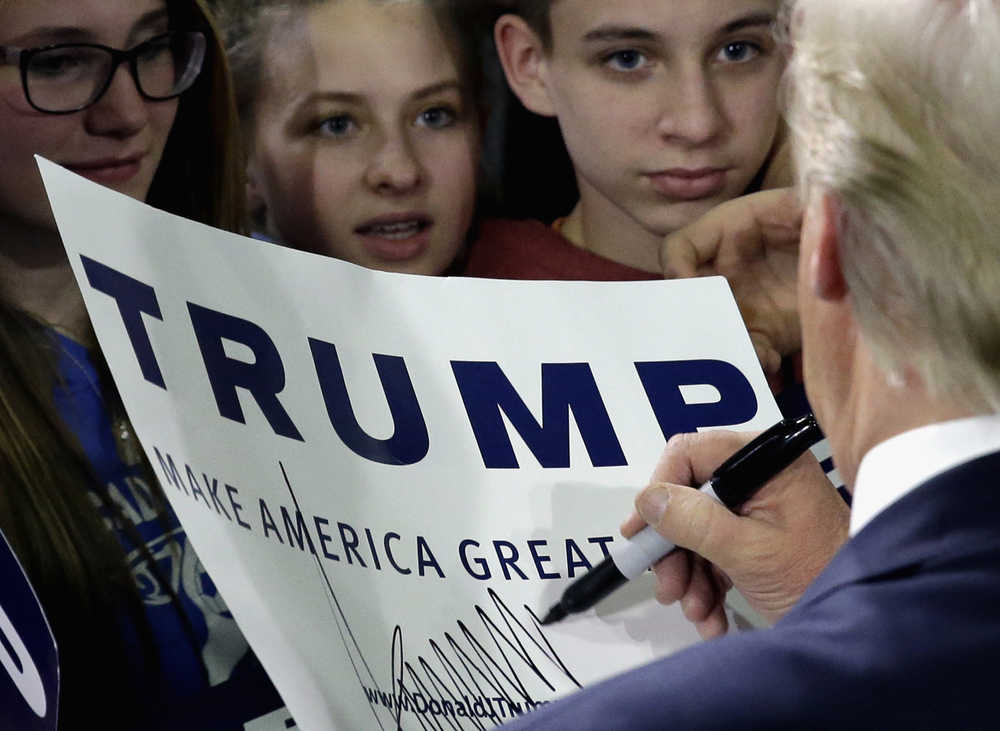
{"x": 898, "y": 168}
{"x": 667, "y": 109}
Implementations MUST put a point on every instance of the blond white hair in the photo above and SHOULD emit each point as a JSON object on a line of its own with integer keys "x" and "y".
{"x": 894, "y": 107}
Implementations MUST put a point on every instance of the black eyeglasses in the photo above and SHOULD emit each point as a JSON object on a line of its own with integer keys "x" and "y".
{"x": 68, "y": 77}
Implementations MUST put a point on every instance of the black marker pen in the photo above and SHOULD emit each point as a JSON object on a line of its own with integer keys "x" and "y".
{"x": 732, "y": 484}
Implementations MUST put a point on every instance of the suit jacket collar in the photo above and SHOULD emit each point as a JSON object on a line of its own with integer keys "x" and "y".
{"x": 956, "y": 513}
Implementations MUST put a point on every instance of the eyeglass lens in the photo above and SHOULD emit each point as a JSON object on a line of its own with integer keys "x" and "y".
{"x": 70, "y": 77}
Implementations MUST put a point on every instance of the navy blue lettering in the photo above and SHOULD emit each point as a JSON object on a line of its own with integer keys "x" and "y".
{"x": 540, "y": 559}
{"x": 409, "y": 441}
{"x": 371, "y": 545}
{"x": 603, "y": 542}
{"x": 388, "y": 553}
{"x": 195, "y": 489}
{"x": 662, "y": 382}
{"x": 264, "y": 378}
{"x": 170, "y": 472}
{"x": 484, "y": 568}
{"x": 324, "y": 538}
{"x": 508, "y": 561}
{"x": 501, "y": 705}
{"x": 213, "y": 491}
{"x": 575, "y": 559}
{"x": 268, "y": 522}
{"x": 237, "y": 507}
{"x": 486, "y": 392}
{"x": 425, "y": 558}
{"x": 299, "y": 532}
{"x": 350, "y": 544}
{"x": 134, "y": 298}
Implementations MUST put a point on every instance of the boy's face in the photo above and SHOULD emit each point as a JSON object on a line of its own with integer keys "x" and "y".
{"x": 667, "y": 107}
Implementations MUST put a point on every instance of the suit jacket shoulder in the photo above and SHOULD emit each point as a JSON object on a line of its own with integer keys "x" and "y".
{"x": 902, "y": 630}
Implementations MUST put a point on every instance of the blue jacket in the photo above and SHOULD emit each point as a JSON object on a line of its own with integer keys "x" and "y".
{"x": 902, "y": 630}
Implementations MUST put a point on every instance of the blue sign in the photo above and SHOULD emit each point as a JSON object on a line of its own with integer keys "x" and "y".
{"x": 29, "y": 682}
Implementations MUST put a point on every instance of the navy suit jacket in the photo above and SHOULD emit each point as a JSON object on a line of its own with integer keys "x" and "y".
{"x": 902, "y": 630}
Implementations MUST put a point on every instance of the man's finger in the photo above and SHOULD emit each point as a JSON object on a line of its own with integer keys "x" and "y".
{"x": 715, "y": 625}
{"x": 744, "y": 224}
{"x": 769, "y": 357}
{"x": 679, "y": 256}
{"x": 690, "y": 459}
{"x": 632, "y": 525}
{"x": 702, "y": 596}
{"x": 673, "y": 574}
{"x": 690, "y": 519}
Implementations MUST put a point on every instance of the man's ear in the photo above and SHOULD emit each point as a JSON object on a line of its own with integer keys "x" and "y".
{"x": 826, "y": 273}
{"x": 522, "y": 55}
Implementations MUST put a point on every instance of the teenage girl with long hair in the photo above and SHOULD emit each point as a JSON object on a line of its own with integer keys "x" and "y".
{"x": 133, "y": 94}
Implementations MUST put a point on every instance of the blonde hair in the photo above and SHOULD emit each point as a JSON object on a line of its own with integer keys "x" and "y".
{"x": 252, "y": 26}
{"x": 894, "y": 109}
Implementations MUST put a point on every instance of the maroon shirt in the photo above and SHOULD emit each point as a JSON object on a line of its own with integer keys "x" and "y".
{"x": 507, "y": 249}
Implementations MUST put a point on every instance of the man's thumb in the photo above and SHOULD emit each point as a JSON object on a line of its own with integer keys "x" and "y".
{"x": 690, "y": 519}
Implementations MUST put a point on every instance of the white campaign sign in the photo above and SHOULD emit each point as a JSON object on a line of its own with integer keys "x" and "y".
{"x": 391, "y": 477}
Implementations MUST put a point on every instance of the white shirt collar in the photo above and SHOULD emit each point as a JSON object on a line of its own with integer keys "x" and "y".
{"x": 893, "y": 468}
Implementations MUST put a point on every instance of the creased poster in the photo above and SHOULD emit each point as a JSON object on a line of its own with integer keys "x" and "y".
{"x": 391, "y": 477}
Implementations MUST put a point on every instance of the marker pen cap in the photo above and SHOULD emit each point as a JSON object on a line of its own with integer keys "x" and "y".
{"x": 740, "y": 476}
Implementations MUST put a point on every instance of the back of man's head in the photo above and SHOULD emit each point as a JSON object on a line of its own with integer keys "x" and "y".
{"x": 895, "y": 109}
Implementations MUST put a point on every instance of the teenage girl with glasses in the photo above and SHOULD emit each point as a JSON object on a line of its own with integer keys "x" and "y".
{"x": 133, "y": 94}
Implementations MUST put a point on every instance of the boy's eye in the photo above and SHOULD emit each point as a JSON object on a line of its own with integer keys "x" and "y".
{"x": 738, "y": 52}
{"x": 339, "y": 125}
{"x": 627, "y": 60}
{"x": 436, "y": 117}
